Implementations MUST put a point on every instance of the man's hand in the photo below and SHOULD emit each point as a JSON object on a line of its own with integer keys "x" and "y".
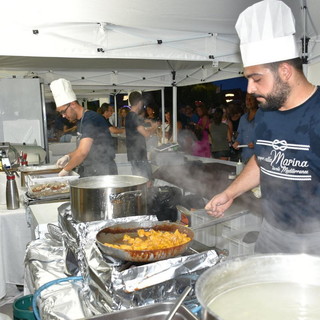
{"x": 61, "y": 163}
{"x": 63, "y": 173}
{"x": 235, "y": 145}
{"x": 218, "y": 205}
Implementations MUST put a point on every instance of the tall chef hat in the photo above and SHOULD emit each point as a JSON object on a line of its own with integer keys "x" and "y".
{"x": 266, "y": 31}
{"x": 62, "y": 92}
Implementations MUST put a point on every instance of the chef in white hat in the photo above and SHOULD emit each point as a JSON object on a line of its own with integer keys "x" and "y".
{"x": 286, "y": 163}
{"x": 95, "y": 151}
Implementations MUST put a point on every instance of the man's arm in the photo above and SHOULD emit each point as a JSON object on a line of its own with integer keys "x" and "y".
{"x": 146, "y": 132}
{"x": 247, "y": 180}
{"x": 78, "y": 156}
{"x": 116, "y": 130}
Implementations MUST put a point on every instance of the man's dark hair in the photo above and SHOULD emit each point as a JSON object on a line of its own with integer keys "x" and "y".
{"x": 104, "y": 107}
{"x": 296, "y": 63}
{"x": 135, "y": 97}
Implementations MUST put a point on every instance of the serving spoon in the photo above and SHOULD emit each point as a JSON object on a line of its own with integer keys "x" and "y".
{"x": 178, "y": 303}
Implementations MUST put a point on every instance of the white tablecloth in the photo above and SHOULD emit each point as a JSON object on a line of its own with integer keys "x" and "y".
{"x": 40, "y": 216}
{"x": 14, "y": 236}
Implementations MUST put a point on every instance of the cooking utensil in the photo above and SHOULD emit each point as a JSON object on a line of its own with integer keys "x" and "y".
{"x": 242, "y": 146}
{"x": 108, "y": 197}
{"x": 178, "y": 303}
{"x": 114, "y": 235}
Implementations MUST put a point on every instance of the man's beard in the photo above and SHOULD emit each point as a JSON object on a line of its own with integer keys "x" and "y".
{"x": 278, "y": 96}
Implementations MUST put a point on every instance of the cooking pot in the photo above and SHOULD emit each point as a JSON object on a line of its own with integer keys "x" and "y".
{"x": 108, "y": 197}
{"x": 275, "y": 286}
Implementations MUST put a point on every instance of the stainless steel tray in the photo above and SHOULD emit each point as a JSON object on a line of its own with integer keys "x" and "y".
{"x": 157, "y": 311}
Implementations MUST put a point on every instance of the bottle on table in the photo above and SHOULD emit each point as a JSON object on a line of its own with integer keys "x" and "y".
{"x": 12, "y": 194}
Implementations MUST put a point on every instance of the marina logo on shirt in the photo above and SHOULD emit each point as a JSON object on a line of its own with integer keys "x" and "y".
{"x": 277, "y": 163}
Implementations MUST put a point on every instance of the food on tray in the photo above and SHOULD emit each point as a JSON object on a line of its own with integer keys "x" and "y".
{"x": 47, "y": 189}
{"x": 151, "y": 240}
{"x": 49, "y": 185}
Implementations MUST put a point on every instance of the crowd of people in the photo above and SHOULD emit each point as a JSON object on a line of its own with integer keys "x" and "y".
{"x": 223, "y": 132}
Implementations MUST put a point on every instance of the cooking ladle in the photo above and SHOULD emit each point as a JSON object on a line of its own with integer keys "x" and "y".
{"x": 178, "y": 303}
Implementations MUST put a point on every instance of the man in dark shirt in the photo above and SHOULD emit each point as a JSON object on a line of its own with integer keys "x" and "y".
{"x": 135, "y": 137}
{"x": 95, "y": 151}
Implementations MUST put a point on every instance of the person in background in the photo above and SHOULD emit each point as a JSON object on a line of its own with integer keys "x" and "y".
{"x": 151, "y": 117}
{"x": 201, "y": 147}
{"x": 106, "y": 110}
{"x": 245, "y": 134}
{"x": 286, "y": 162}
{"x": 235, "y": 111}
{"x": 192, "y": 116}
{"x": 95, "y": 151}
{"x": 228, "y": 122}
{"x": 136, "y": 135}
{"x": 182, "y": 115}
{"x": 151, "y": 114}
{"x": 122, "y": 116}
{"x": 69, "y": 131}
{"x": 219, "y": 136}
{"x": 168, "y": 127}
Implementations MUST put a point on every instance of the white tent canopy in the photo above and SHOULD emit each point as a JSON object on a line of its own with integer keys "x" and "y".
{"x": 104, "y": 45}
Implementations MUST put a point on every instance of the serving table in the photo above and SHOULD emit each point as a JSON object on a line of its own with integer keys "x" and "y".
{"x": 14, "y": 237}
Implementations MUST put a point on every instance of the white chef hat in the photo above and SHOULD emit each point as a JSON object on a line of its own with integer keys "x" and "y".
{"x": 62, "y": 92}
{"x": 266, "y": 31}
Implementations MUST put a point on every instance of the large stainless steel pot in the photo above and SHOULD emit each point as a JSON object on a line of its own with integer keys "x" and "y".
{"x": 108, "y": 197}
{"x": 277, "y": 286}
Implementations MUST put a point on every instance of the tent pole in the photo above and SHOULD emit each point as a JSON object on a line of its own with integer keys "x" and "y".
{"x": 174, "y": 113}
{"x": 163, "y": 120}
{"x": 45, "y": 123}
{"x": 115, "y": 110}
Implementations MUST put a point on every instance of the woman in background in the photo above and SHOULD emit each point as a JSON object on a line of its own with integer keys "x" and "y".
{"x": 245, "y": 134}
{"x": 201, "y": 147}
{"x": 219, "y": 136}
{"x": 150, "y": 118}
{"x": 122, "y": 116}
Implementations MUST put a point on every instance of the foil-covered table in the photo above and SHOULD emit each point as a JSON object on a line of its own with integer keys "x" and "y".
{"x": 108, "y": 284}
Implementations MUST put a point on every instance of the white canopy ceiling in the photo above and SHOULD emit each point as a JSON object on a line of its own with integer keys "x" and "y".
{"x": 122, "y": 44}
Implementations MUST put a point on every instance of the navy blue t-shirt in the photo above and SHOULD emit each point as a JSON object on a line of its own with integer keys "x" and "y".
{"x": 288, "y": 152}
{"x": 135, "y": 141}
{"x": 94, "y": 126}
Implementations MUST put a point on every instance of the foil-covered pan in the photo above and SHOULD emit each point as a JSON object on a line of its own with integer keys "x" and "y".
{"x": 115, "y": 233}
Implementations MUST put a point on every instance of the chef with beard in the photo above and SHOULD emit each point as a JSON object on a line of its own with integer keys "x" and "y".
{"x": 95, "y": 152}
{"x": 286, "y": 163}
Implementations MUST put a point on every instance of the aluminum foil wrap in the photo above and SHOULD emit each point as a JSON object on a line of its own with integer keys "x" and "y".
{"x": 108, "y": 284}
